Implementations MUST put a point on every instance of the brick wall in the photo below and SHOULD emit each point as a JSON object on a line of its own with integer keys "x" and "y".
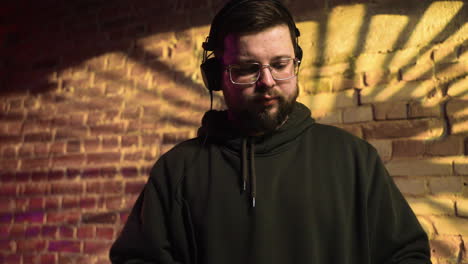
{"x": 93, "y": 92}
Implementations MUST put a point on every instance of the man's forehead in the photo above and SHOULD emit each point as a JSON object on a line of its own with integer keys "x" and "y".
{"x": 275, "y": 41}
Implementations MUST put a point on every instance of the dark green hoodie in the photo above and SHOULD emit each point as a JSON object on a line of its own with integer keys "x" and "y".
{"x": 307, "y": 193}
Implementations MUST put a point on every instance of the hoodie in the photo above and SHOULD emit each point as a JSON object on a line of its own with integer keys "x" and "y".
{"x": 305, "y": 193}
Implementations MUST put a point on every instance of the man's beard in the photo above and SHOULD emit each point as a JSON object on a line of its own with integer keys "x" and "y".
{"x": 256, "y": 118}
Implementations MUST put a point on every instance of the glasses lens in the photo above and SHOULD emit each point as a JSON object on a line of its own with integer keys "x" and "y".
{"x": 245, "y": 73}
{"x": 248, "y": 73}
{"x": 283, "y": 69}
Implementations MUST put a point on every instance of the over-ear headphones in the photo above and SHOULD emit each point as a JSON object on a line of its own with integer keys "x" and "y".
{"x": 211, "y": 68}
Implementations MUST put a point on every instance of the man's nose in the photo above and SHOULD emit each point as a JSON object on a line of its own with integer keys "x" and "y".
{"x": 266, "y": 78}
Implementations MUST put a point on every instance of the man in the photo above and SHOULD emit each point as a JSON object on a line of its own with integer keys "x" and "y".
{"x": 263, "y": 183}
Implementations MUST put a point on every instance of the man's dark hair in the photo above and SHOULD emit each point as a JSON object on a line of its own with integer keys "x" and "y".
{"x": 249, "y": 16}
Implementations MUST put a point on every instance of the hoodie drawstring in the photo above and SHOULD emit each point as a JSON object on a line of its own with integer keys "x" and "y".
{"x": 251, "y": 169}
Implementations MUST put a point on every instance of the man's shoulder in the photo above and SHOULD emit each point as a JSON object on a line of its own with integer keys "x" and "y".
{"x": 182, "y": 149}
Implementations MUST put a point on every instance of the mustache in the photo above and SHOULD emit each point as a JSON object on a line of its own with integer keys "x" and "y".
{"x": 270, "y": 93}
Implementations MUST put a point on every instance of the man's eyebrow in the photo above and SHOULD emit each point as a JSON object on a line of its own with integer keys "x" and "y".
{"x": 248, "y": 60}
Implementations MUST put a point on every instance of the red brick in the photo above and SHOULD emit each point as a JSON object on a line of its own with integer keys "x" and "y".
{"x": 130, "y": 141}
{"x": 132, "y": 113}
{"x": 86, "y": 232}
{"x": 105, "y": 233}
{"x": 71, "y": 160}
{"x": 400, "y": 129}
{"x": 87, "y": 202}
{"x": 133, "y": 156}
{"x": 91, "y": 144}
{"x": 12, "y": 116}
{"x": 389, "y": 111}
{"x": 73, "y": 146}
{"x": 38, "y": 137}
{"x": 35, "y": 189}
{"x": 450, "y": 146}
{"x": 108, "y": 172}
{"x": 67, "y": 259}
{"x": 112, "y": 187}
{"x": 73, "y": 173}
{"x": 9, "y": 152}
{"x": 96, "y": 247}
{"x": 29, "y": 217}
{"x": 41, "y": 149}
{"x": 134, "y": 187}
{"x": 10, "y": 139}
{"x": 30, "y": 258}
{"x": 91, "y": 173}
{"x": 410, "y": 186}
{"x": 49, "y": 231}
{"x": 93, "y": 187}
{"x": 451, "y": 70}
{"x": 57, "y": 148}
{"x": 32, "y": 231}
{"x": 110, "y": 143}
{"x": 49, "y": 259}
{"x": 36, "y": 203}
{"x": 7, "y": 176}
{"x": 68, "y": 133}
{"x": 108, "y": 129}
{"x": 67, "y": 232}
{"x": 7, "y": 246}
{"x": 65, "y": 246}
{"x": 51, "y": 203}
{"x": 103, "y": 158}
{"x": 129, "y": 172}
{"x": 418, "y": 110}
{"x": 55, "y": 175}
{"x": 9, "y": 164}
{"x": 21, "y": 204}
{"x": 38, "y": 176}
{"x": 26, "y": 151}
{"x": 457, "y": 108}
{"x": 445, "y": 185}
{"x": 76, "y": 119}
{"x": 4, "y": 231}
{"x": 99, "y": 218}
{"x": 175, "y": 137}
{"x": 23, "y": 176}
{"x": 70, "y": 202}
{"x": 6, "y": 205}
{"x": 114, "y": 203}
{"x": 416, "y": 72}
{"x": 408, "y": 148}
{"x": 70, "y": 217}
{"x": 12, "y": 259}
{"x": 17, "y": 231}
{"x": 35, "y": 163}
{"x": 31, "y": 245}
{"x": 8, "y": 189}
{"x": 67, "y": 188}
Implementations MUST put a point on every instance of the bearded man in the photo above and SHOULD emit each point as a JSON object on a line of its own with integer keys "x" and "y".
{"x": 263, "y": 183}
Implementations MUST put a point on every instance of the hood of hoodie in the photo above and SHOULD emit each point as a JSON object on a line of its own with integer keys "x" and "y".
{"x": 216, "y": 128}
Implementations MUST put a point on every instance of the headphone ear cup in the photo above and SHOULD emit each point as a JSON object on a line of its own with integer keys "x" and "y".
{"x": 298, "y": 52}
{"x": 211, "y": 73}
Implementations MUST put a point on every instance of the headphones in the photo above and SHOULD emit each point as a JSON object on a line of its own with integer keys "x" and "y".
{"x": 211, "y": 68}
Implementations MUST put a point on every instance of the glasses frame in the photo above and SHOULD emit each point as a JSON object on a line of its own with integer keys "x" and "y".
{"x": 262, "y": 66}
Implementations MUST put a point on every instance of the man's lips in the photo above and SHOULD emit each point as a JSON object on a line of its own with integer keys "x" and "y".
{"x": 267, "y": 100}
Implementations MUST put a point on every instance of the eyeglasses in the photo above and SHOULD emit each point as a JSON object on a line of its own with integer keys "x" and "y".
{"x": 249, "y": 73}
